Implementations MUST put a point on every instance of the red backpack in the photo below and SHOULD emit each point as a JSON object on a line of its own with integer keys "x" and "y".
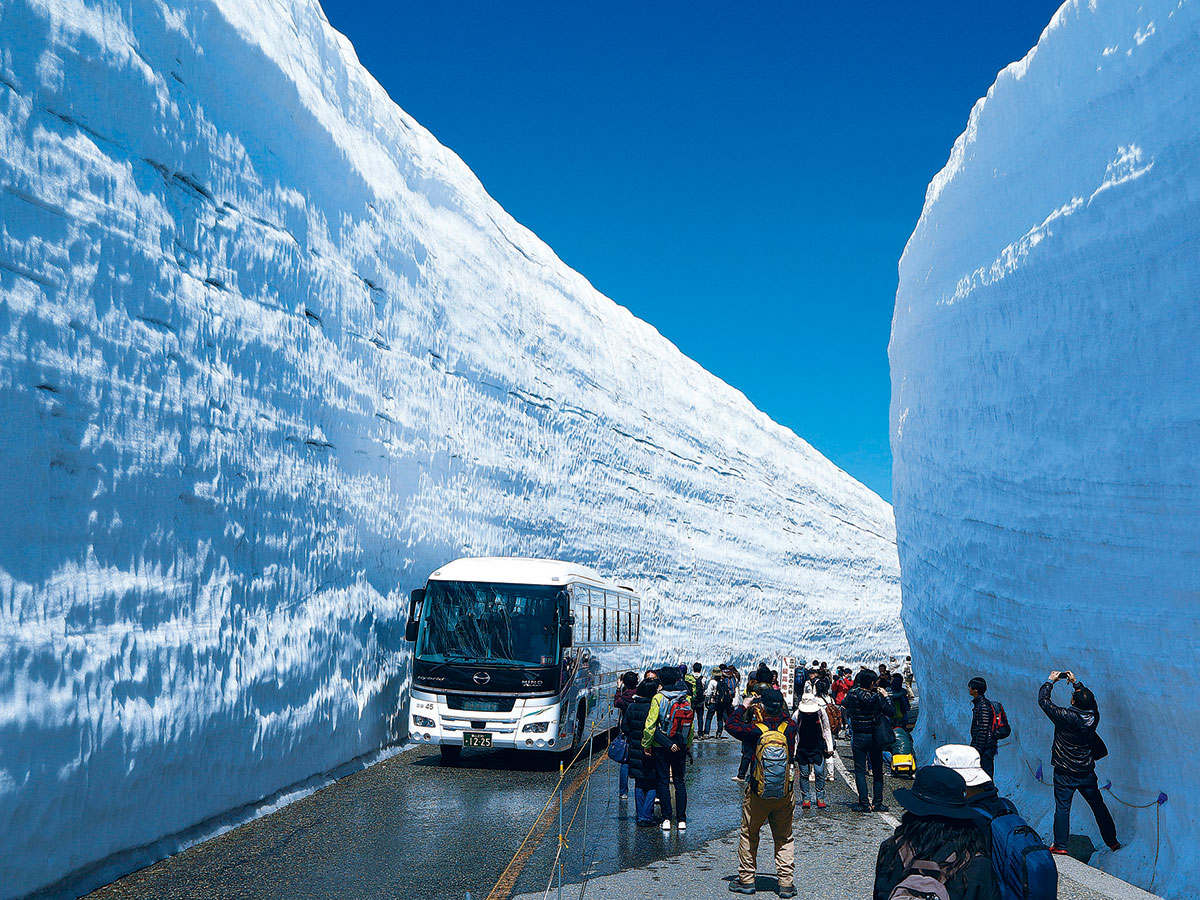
{"x": 677, "y": 717}
{"x": 1000, "y": 727}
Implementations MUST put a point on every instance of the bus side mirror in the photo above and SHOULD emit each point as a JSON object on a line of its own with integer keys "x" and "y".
{"x": 565, "y": 633}
{"x": 415, "y": 599}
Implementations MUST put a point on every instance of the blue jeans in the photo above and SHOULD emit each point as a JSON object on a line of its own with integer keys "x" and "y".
{"x": 863, "y": 747}
{"x": 714, "y": 710}
{"x": 819, "y": 768}
{"x": 643, "y": 796}
{"x": 623, "y": 790}
{"x": 1065, "y": 787}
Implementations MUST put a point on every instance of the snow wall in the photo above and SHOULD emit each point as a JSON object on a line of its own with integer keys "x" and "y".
{"x": 1046, "y": 419}
{"x": 269, "y": 355}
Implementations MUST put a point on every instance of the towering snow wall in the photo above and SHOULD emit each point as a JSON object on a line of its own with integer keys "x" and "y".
{"x": 269, "y": 354}
{"x": 1046, "y": 418}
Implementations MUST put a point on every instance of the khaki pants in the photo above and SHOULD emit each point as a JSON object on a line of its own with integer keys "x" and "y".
{"x": 778, "y": 814}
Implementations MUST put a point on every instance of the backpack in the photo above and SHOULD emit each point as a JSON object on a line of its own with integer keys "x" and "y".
{"x": 772, "y": 762}
{"x": 677, "y": 718}
{"x": 835, "y": 717}
{"x": 724, "y": 692}
{"x": 923, "y": 879}
{"x": 1024, "y": 868}
{"x": 1000, "y": 727}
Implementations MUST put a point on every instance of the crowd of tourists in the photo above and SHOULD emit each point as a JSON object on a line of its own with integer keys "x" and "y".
{"x": 958, "y": 839}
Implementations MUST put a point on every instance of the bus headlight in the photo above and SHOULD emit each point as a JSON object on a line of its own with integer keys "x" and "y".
{"x": 423, "y": 722}
{"x": 535, "y": 727}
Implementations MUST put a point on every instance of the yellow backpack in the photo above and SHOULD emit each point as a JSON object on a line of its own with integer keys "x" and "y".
{"x": 772, "y": 763}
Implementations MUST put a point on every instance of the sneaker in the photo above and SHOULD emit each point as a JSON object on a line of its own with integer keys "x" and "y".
{"x": 1115, "y": 846}
{"x": 737, "y": 887}
{"x": 682, "y": 825}
{"x": 738, "y": 778}
{"x": 829, "y": 778}
{"x": 788, "y": 891}
{"x": 623, "y": 797}
{"x": 646, "y": 823}
{"x": 666, "y": 825}
{"x": 880, "y": 807}
{"x": 861, "y": 807}
{"x": 821, "y": 804}
{"x": 1060, "y": 851}
{"x": 806, "y": 805}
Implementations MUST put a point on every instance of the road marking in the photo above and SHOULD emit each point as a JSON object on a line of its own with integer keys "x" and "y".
{"x": 849, "y": 779}
{"x": 508, "y": 878}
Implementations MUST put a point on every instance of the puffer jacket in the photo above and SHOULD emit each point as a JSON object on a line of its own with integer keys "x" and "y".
{"x": 633, "y": 723}
{"x": 1074, "y": 734}
{"x": 865, "y": 709}
{"x": 983, "y": 738}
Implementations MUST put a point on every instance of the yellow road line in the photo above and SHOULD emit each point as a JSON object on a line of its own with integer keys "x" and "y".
{"x": 508, "y": 878}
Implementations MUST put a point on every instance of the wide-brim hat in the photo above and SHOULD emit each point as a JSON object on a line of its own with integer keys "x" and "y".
{"x": 964, "y": 760}
{"x": 936, "y": 791}
{"x": 808, "y": 704}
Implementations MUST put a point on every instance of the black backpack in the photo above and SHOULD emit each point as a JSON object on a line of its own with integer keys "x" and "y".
{"x": 724, "y": 692}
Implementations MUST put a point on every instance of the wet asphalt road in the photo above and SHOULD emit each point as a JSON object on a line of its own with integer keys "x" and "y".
{"x": 409, "y": 827}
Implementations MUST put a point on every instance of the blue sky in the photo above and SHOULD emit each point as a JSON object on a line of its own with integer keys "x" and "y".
{"x": 742, "y": 176}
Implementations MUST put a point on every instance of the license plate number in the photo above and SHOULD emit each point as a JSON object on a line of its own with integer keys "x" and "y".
{"x": 477, "y": 739}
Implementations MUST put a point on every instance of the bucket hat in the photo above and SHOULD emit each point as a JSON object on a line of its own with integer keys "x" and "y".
{"x": 936, "y": 791}
{"x": 964, "y": 760}
{"x": 808, "y": 701}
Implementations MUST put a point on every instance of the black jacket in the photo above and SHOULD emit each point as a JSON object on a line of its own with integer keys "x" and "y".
{"x": 976, "y": 881}
{"x": 983, "y": 738}
{"x": 864, "y": 709}
{"x": 1074, "y": 734}
{"x": 633, "y": 723}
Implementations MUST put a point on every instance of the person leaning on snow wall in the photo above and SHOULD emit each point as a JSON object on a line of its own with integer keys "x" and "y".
{"x": 1073, "y": 756}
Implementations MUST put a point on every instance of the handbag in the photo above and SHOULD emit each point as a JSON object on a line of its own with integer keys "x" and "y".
{"x": 883, "y": 734}
{"x": 618, "y": 750}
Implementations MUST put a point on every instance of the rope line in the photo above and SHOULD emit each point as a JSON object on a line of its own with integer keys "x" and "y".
{"x": 1157, "y": 803}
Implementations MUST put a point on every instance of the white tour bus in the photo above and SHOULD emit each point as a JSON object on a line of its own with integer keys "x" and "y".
{"x": 518, "y": 653}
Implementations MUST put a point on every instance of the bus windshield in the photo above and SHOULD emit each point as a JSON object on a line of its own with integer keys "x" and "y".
{"x": 496, "y": 624}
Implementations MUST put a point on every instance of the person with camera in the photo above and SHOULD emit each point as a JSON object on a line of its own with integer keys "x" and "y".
{"x": 762, "y": 724}
{"x": 1073, "y": 757}
{"x": 869, "y": 713}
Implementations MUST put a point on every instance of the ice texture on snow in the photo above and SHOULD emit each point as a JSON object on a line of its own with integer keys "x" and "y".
{"x": 1046, "y": 418}
{"x": 269, "y": 354}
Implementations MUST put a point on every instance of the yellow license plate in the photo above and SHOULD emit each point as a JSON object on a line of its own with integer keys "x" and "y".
{"x": 477, "y": 739}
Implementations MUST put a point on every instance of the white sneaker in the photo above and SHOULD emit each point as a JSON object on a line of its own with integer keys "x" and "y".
{"x": 683, "y": 825}
{"x": 666, "y": 825}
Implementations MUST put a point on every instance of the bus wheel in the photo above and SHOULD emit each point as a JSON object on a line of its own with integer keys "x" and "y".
{"x": 451, "y": 754}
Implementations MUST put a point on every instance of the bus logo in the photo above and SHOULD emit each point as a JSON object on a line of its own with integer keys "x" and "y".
{"x": 482, "y": 678}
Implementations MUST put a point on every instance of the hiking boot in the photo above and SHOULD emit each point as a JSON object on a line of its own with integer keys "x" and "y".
{"x": 1060, "y": 851}
{"x": 821, "y": 804}
{"x": 788, "y": 891}
{"x": 737, "y": 887}
{"x": 806, "y": 805}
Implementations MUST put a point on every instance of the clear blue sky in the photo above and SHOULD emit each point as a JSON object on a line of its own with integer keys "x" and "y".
{"x": 741, "y": 175}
